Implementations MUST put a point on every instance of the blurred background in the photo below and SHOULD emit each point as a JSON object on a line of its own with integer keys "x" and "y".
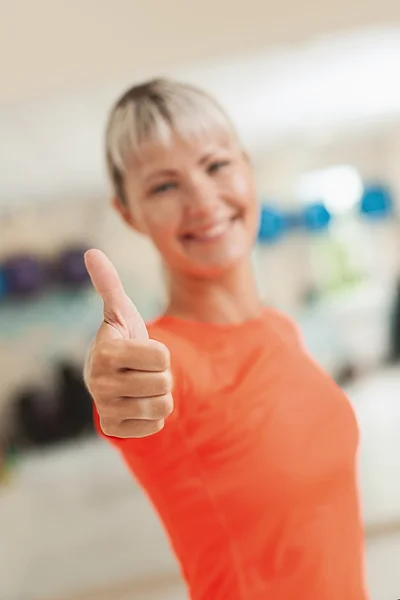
{"x": 315, "y": 91}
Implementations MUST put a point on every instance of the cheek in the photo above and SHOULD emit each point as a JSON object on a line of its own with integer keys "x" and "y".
{"x": 161, "y": 222}
{"x": 246, "y": 199}
{"x": 242, "y": 192}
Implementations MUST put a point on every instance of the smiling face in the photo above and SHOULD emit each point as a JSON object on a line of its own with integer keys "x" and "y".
{"x": 196, "y": 201}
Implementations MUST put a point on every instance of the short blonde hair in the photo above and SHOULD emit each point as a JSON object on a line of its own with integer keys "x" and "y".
{"x": 153, "y": 110}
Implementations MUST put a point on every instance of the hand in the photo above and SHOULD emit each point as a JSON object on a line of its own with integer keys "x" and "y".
{"x": 127, "y": 374}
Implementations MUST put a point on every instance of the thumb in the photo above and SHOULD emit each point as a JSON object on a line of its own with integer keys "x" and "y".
{"x": 119, "y": 311}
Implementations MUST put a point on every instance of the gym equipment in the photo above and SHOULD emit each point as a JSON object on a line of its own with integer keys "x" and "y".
{"x": 49, "y": 416}
{"x": 24, "y": 275}
{"x": 272, "y": 225}
{"x": 71, "y": 267}
{"x": 376, "y": 202}
{"x": 74, "y": 399}
{"x": 39, "y": 416}
{"x": 316, "y": 217}
{"x": 3, "y": 284}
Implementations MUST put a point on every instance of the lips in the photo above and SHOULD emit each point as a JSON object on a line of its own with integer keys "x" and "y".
{"x": 210, "y": 232}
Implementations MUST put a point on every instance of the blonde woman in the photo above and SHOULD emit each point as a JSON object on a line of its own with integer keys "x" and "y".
{"x": 245, "y": 447}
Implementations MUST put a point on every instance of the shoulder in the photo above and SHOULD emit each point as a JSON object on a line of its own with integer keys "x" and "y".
{"x": 284, "y": 325}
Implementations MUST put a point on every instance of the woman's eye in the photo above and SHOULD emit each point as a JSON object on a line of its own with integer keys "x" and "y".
{"x": 217, "y": 166}
{"x": 164, "y": 187}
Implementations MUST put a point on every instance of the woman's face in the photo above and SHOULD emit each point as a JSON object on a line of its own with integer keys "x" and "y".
{"x": 196, "y": 201}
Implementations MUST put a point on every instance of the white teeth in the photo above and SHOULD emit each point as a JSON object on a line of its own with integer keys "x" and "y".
{"x": 212, "y": 232}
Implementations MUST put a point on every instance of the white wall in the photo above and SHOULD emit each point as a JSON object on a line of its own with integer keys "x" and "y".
{"x": 53, "y": 45}
{"x": 52, "y": 147}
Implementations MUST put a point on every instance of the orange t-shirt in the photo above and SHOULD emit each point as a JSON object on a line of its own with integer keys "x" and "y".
{"x": 254, "y": 473}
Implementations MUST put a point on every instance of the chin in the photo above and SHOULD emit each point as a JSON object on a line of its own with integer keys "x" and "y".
{"x": 212, "y": 267}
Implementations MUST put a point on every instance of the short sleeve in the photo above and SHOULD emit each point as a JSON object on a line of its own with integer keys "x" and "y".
{"x": 287, "y": 328}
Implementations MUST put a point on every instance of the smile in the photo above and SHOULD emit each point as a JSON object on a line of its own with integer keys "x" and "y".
{"x": 212, "y": 232}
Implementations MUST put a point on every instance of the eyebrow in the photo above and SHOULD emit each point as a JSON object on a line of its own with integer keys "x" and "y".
{"x": 172, "y": 172}
{"x": 206, "y": 157}
{"x": 160, "y": 173}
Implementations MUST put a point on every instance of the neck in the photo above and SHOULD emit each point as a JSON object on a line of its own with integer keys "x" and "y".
{"x": 230, "y": 298}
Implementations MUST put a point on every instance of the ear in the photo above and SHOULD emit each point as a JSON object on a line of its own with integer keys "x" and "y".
{"x": 126, "y": 214}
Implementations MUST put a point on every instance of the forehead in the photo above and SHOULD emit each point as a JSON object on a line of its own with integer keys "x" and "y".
{"x": 177, "y": 151}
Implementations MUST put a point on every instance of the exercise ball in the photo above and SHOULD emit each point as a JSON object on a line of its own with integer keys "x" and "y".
{"x": 71, "y": 267}
{"x": 3, "y": 284}
{"x": 24, "y": 275}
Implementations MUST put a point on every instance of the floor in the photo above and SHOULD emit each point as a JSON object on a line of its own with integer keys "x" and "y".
{"x": 382, "y": 563}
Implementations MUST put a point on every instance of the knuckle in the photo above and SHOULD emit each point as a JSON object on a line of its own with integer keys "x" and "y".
{"x": 93, "y": 387}
{"x": 165, "y": 382}
{"x": 99, "y": 388}
{"x": 165, "y": 406}
{"x": 162, "y": 355}
{"x": 137, "y": 410}
{"x": 108, "y": 426}
{"x": 140, "y": 429}
{"x": 106, "y": 408}
{"x": 102, "y": 355}
{"x": 156, "y": 426}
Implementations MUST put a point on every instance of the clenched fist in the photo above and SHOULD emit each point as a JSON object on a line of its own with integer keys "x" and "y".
{"x": 127, "y": 374}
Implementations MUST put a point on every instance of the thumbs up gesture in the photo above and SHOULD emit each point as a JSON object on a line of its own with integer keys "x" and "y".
{"x": 127, "y": 374}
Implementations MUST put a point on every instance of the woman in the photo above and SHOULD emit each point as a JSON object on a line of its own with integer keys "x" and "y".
{"x": 251, "y": 466}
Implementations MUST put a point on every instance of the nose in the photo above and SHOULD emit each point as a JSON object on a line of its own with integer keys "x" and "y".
{"x": 202, "y": 196}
